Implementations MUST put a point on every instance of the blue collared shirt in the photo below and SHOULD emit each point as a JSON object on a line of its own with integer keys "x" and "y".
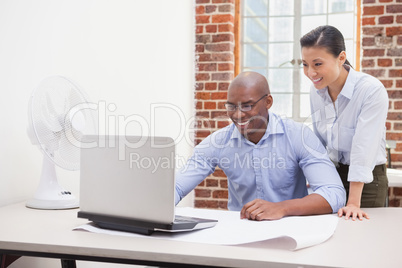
{"x": 353, "y": 127}
{"x": 275, "y": 169}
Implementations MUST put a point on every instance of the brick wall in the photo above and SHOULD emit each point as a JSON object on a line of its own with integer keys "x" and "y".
{"x": 215, "y": 69}
{"x": 215, "y": 42}
{"x": 382, "y": 58}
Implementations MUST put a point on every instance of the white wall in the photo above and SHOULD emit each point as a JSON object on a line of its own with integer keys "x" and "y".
{"x": 128, "y": 52}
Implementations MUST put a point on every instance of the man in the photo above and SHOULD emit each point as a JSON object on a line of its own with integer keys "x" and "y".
{"x": 266, "y": 159}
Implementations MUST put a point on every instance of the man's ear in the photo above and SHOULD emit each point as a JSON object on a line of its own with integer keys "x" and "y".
{"x": 269, "y": 101}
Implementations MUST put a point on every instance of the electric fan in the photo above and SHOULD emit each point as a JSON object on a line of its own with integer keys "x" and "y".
{"x": 59, "y": 114}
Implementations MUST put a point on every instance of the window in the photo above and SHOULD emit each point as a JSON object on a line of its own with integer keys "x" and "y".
{"x": 269, "y": 42}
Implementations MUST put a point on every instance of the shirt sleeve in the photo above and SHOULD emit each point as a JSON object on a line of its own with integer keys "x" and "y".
{"x": 201, "y": 164}
{"x": 318, "y": 169}
{"x": 369, "y": 132}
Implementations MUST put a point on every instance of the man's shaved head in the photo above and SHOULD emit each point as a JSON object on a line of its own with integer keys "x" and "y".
{"x": 251, "y": 80}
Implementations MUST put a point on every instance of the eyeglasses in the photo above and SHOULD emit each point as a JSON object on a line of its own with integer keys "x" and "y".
{"x": 243, "y": 107}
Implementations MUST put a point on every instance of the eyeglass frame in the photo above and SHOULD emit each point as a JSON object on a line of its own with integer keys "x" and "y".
{"x": 240, "y": 106}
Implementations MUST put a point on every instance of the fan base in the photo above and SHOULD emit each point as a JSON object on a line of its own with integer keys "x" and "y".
{"x": 52, "y": 204}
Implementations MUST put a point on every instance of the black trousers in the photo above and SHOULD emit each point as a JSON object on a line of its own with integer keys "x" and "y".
{"x": 375, "y": 193}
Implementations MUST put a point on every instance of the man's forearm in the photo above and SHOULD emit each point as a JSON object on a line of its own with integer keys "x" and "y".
{"x": 309, "y": 205}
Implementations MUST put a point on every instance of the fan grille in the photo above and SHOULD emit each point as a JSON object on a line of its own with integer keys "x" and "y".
{"x": 54, "y": 105}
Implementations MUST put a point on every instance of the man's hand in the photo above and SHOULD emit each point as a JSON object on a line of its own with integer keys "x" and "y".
{"x": 352, "y": 211}
{"x": 262, "y": 210}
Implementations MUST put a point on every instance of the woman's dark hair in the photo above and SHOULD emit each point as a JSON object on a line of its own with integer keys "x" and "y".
{"x": 325, "y": 36}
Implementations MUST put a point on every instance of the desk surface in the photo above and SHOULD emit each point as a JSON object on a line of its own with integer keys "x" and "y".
{"x": 369, "y": 243}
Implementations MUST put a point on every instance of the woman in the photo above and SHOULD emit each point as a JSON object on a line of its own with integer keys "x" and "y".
{"x": 349, "y": 110}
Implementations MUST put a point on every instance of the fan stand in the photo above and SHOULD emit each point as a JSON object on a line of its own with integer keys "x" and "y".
{"x": 49, "y": 194}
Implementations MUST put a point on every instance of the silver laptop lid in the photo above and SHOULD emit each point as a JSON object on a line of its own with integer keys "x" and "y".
{"x": 128, "y": 176}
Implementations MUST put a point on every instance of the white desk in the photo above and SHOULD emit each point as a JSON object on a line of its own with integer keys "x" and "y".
{"x": 28, "y": 232}
{"x": 394, "y": 177}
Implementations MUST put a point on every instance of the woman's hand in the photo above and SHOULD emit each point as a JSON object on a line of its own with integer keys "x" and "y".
{"x": 352, "y": 211}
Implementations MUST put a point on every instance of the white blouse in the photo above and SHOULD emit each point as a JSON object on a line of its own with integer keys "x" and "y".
{"x": 353, "y": 127}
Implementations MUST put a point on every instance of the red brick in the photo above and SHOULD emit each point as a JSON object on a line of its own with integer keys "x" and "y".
{"x": 373, "y": 52}
{"x": 395, "y": 116}
{"x": 222, "y": 124}
{"x": 212, "y": 182}
{"x": 204, "y": 57}
{"x": 394, "y": 136}
{"x": 371, "y": 31}
{"x": 219, "y": 114}
{"x": 368, "y": 41}
{"x": 398, "y": 105}
{"x": 391, "y": 31}
{"x": 373, "y": 10}
{"x": 210, "y": 8}
{"x": 368, "y": 63}
{"x": 225, "y": 28}
{"x": 397, "y": 158}
{"x": 386, "y": 20}
{"x": 399, "y": 19}
{"x": 201, "y": 19}
{"x": 206, "y": 204}
{"x": 399, "y": 40}
{"x": 209, "y": 105}
{"x": 221, "y": 106}
{"x": 199, "y": 10}
{"x": 199, "y": 86}
{"x": 223, "y": 86}
{"x": 393, "y": 202}
{"x": 198, "y": 104}
{"x": 397, "y": 191}
{"x": 226, "y": 8}
{"x": 394, "y": 8}
{"x": 219, "y": 194}
{"x": 369, "y": 1}
{"x": 222, "y": 77}
{"x": 211, "y": 86}
{"x": 384, "y": 62}
{"x": 398, "y": 147}
{"x": 219, "y": 95}
{"x": 220, "y": 47}
{"x": 385, "y": 1}
{"x": 222, "y": 18}
{"x": 223, "y": 183}
{"x": 202, "y": 192}
{"x": 218, "y": 173}
{"x": 202, "y": 95}
{"x": 398, "y": 83}
{"x": 202, "y": 133}
{"x": 223, "y": 1}
{"x": 222, "y": 38}
{"x": 388, "y": 125}
{"x": 202, "y": 114}
{"x": 395, "y": 73}
{"x": 202, "y": 1}
{"x": 199, "y": 29}
{"x": 398, "y": 126}
{"x": 376, "y": 72}
{"x": 368, "y": 21}
{"x": 207, "y": 67}
{"x": 199, "y": 48}
{"x": 387, "y": 83}
{"x": 202, "y": 77}
{"x": 222, "y": 57}
{"x": 223, "y": 204}
{"x": 395, "y": 94}
{"x": 225, "y": 67}
{"x": 211, "y": 28}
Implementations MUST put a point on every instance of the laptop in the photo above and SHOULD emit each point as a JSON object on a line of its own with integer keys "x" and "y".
{"x": 127, "y": 183}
